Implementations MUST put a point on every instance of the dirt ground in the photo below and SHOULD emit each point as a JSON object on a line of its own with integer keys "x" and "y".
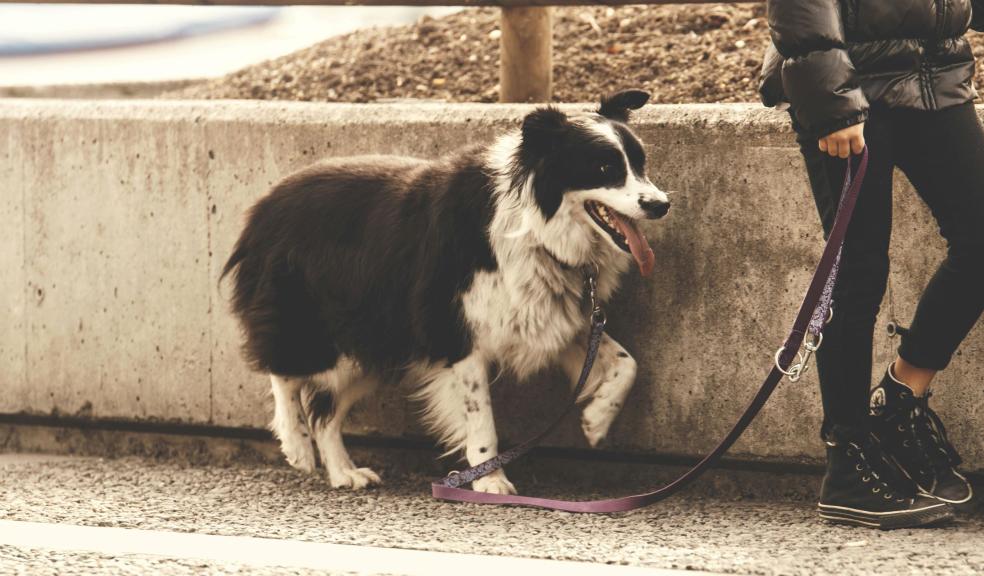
{"x": 680, "y": 53}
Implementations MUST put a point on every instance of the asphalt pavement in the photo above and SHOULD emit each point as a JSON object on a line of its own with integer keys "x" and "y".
{"x": 139, "y": 515}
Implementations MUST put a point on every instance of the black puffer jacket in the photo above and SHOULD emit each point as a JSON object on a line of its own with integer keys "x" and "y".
{"x": 830, "y": 58}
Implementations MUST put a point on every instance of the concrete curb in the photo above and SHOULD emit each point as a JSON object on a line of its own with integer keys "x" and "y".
{"x": 119, "y": 214}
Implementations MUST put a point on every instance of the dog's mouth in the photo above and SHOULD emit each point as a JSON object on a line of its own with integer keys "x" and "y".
{"x": 624, "y": 233}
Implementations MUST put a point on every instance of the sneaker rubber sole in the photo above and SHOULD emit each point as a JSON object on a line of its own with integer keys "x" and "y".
{"x": 925, "y": 516}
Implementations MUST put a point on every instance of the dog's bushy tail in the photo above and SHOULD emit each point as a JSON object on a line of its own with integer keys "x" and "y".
{"x": 238, "y": 255}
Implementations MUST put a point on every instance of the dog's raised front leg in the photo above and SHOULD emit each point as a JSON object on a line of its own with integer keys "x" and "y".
{"x": 481, "y": 441}
{"x": 605, "y": 391}
{"x": 459, "y": 411}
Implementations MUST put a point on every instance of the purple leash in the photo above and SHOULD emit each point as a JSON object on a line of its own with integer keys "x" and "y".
{"x": 814, "y": 313}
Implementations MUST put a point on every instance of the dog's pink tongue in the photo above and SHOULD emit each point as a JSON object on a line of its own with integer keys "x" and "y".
{"x": 638, "y": 245}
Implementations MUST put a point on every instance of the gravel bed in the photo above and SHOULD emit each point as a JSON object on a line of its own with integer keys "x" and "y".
{"x": 706, "y": 53}
{"x": 680, "y": 53}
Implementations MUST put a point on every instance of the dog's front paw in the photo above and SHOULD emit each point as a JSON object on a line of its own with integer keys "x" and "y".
{"x": 354, "y": 478}
{"x": 494, "y": 483}
{"x": 596, "y": 419}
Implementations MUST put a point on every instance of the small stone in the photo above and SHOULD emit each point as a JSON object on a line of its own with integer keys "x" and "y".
{"x": 495, "y": 34}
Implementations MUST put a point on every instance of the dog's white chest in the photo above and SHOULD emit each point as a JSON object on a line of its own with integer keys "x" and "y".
{"x": 524, "y": 324}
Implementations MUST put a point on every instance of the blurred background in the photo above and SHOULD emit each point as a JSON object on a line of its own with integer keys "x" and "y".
{"x": 106, "y": 44}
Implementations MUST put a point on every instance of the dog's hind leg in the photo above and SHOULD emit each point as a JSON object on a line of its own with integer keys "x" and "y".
{"x": 328, "y": 401}
{"x": 289, "y": 424}
{"x": 458, "y": 409}
{"x": 610, "y": 382}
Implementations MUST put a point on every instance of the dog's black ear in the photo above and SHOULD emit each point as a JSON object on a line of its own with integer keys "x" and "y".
{"x": 541, "y": 128}
{"x": 617, "y": 106}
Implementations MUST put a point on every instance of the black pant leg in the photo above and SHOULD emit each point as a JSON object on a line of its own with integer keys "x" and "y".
{"x": 844, "y": 361}
{"x": 942, "y": 153}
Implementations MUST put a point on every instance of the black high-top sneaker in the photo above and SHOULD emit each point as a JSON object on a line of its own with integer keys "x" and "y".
{"x": 864, "y": 489}
{"x": 913, "y": 437}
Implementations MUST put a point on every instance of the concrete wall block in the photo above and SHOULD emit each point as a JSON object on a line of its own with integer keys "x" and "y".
{"x": 12, "y": 336}
{"x": 133, "y": 207}
{"x": 116, "y": 270}
{"x": 733, "y": 261}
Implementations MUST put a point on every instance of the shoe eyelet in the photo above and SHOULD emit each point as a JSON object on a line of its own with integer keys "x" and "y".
{"x": 901, "y": 428}
{"x": 876, "y": 489}
{"x": 866, "y": 478}
{"x": 888, "y": 496}
{"x": 906, "y": 444}
{"x": 858, "y": 467}
{"x": 850, "y": 452}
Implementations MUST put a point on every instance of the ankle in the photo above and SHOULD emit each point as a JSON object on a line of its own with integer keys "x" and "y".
{"x": 912, "y": 377}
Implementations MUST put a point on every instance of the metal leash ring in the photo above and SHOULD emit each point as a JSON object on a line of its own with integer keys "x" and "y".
{"x": 796, "y": 371}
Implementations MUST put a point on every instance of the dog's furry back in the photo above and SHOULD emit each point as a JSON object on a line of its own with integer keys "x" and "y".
{"x": 363, "y": 257}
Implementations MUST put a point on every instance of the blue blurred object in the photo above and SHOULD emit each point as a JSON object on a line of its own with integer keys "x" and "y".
{"x": 31, "y": 29}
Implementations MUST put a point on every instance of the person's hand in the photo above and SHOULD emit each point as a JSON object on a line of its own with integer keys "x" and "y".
{"x": 844, "y": 142}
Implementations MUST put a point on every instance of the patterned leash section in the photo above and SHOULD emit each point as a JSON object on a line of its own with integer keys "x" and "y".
{"x": 812, "y": 315}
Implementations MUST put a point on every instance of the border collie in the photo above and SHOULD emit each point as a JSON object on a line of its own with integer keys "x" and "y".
{"x": 434, "y": 274}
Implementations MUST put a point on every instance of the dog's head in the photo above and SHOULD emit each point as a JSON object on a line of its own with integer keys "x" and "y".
{"x": 587, "y": 175}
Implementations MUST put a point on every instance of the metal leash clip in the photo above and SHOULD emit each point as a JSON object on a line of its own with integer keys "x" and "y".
{"x": 797, "y": 370}
{"x": 597, "y": 313}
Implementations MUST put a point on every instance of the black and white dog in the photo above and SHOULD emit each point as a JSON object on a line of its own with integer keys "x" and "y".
{"x": 364, "y": 270}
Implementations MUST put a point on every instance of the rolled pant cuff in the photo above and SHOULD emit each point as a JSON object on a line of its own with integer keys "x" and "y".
{"x": 921, "y": 356}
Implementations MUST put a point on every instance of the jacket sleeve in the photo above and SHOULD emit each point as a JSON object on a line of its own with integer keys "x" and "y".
{"x": 818, "y": 77}
{"x": 977, "y": 15}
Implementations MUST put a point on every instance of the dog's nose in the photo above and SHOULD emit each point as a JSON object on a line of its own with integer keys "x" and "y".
{"x": 654, "y": 208}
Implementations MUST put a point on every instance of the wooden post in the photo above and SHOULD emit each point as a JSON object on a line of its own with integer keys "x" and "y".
{"x": 526, "y": 54}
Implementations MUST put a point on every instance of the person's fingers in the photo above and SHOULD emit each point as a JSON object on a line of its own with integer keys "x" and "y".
{"x": 857, "y": 144}
{"x": 833, "y": 147}
{"x": 823, "y": 144}
{"x": 844, "y": 148}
